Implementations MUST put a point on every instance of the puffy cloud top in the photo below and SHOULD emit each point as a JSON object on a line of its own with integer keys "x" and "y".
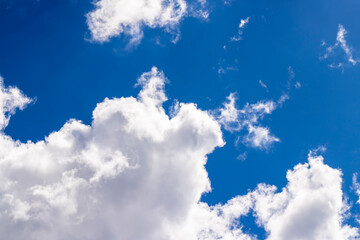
{"x": 137, "y": 173}
{"x": 115, "y": 17}
{"x": 311, "y": 206}
{"x": 133, "y": 168}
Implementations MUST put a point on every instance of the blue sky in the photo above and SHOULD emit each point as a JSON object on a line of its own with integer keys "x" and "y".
{"x": 49, "y": 52}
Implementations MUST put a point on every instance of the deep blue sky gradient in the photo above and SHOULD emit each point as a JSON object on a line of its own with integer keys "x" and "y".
{"x": 44, "y": 51}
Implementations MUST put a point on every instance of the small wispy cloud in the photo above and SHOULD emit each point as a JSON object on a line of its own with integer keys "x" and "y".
{"x": 223, "y": 67}
{"x": 332, "y": 51}
{"x": 356, "y": 186}
{"x": 242, "y": 157}
{"x": 223, "y": 70}
{"x": 291, "y": 73}
{"x": 242, "y": 25}
{"x": 247, "y": 119}
{"x": 228, "y": 2}
{"x": 291, "y": 76}
{"x": 262, "y": 84}
{"x": 290, "y": 84}
{"x": 340, "y": 39}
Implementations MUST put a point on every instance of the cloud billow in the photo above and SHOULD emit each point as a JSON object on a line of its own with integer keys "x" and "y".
{"x": 137, "y": 173}
{"x": 112, "y": 18}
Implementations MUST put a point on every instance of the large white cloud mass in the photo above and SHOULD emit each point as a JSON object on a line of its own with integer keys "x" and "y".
{"x": 136, "y": 173}
{"x": 112, "y": 18}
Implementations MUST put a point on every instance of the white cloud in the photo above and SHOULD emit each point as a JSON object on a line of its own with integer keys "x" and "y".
{"x": 224, "y": 68}
{"x": 242, "y": 157}
{"x": 235, "y": 120}
{"x": 291, "y": 73}
{"x": 216, "y": 222}
{"x": 342, "y": 44}
{"x": 262, "y": 84}
{"x": 283, "y": 98}
{"x": 11, "y": 98}
{"x": 311, "y": 206}
{"x": 297, "y": 85}
{"x": 244, "y": 22}
{"x": 356, "y": 187}
{"x": 137, "y": 173}
{"x": 242, "y": 25}
{"x": 198, "y": 9}
{"x": 112, "y": 18}
{"x": 228, "y": 2}
{"x": 229, "y": 114}
{"x": 259, "y": 137}
{"x": 290, "y": 84}
{"x": 18, "y": 209}
{"x": 133, "y": 168}
{"x": 340, "y": 39}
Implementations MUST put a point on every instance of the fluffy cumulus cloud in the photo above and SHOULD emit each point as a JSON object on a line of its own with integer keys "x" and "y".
{"x": 137, "y": 173}
{"x": 340, "y": 44}
{"x": 112, "y": 18}
{"x": 132, "y": 168}
{"x": 311, "y": 206}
